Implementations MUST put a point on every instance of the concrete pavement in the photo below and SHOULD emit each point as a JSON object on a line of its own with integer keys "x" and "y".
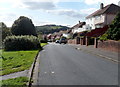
{"x": 15, "y": 75}
{"x": 112, "y": 56}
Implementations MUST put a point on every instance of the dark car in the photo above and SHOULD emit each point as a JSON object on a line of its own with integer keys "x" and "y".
{"x": 63, "y": 40}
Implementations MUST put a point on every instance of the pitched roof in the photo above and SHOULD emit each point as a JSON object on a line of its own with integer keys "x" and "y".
{"x": 109, "y": 9}
{"x": 79, "y": 25}
{"x": 97, "y": 32}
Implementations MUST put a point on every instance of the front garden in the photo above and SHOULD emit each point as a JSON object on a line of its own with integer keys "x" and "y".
{"x": 14, "y": 61}
{"x": 20, "y": 81}
{"x": 20, "y": 47}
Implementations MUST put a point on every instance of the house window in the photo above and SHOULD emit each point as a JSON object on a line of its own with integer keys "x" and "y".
{"x": 98, "y": 26}
{"x": 90, "y": 28}
{"x": 97, "y": 17}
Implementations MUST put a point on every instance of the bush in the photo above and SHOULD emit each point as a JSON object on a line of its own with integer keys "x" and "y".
{"x": 103, "y": 37}
{"x": 15, "y": 43}
{"x": 114, "y": 30}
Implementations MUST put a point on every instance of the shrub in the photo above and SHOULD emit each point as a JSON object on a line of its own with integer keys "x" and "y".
{"x": 113, "y": 33}
{"x": 114, "y": 30}
{"x": 15, "y": 43}
{"x": 103, "y": 37}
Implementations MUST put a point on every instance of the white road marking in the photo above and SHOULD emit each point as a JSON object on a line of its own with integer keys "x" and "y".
{"x": 52, "y": 72}
{"x": 45, "y": 72}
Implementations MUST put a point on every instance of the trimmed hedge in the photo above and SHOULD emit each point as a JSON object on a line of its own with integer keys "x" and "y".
{"x": 16, "y": 43}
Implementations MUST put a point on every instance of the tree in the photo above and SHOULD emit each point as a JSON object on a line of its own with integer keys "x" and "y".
{"x": 114, "y": 30}
{"x": 5, "y": 31}
{"x": 23, "y": 26}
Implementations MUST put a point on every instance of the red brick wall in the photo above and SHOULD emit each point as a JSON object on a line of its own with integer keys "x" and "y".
{"x": 110, "y": 45}
{"x": 72, "y": 41}
{"x": 75, "y": 41}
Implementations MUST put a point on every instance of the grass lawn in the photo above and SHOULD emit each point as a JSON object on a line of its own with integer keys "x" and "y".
{"x": 14, "y": 61}
{"x": 14, "y": 82}
{"x": 43, "y": 44}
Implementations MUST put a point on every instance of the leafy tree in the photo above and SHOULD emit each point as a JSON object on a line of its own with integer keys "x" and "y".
{"x": 5, "y": 31}
{"x": 114, "y": 30}
{"x": 23, "y": 26}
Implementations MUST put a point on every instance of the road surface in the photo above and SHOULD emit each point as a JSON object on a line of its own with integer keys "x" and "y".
{"x": 65, "y": 65}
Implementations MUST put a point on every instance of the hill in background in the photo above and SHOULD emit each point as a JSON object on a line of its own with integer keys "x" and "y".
{"x": 47, "y": 29}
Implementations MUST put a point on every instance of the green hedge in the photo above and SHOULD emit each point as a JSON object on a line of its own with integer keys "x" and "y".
{"x": 16, "y": 43}
{"x": 104, "y": 37}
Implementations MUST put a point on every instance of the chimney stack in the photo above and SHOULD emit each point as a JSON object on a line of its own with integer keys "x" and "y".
{"x": 101, "y": 6}
{"x": 79, "y": 22}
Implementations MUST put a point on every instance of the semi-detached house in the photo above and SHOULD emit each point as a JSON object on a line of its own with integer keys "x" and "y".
{"x": 102, "y": 17}
{"x": 97, "y": 22}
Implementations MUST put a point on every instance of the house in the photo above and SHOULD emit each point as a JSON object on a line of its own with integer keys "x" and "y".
{"x": 78, "y": 27}
{"x": 97, "y": 23}
{"x": 102, "y": 17}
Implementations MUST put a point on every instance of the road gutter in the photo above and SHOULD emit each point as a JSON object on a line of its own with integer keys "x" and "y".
{"x": 33, "y": 72}
{"x": 36, "y": 72}
{"x": 30, "y": 73}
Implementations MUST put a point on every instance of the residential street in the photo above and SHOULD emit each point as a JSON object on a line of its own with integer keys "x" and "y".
{"x": 65, "y": 65}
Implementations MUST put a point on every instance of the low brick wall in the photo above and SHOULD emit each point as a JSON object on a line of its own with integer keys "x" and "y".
{"x": 76, "y": 41}
{"x": 72, "y": 41}
{"x": 110, "y": 45}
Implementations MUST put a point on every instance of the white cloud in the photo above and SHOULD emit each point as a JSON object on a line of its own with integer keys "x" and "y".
{"x": 8, "y": 18}
{"x": 88, "y": 10}
{"x": 38, "y": 23}
{"x": 3, "y": 8}
{"x": 40, "y": 5}
{"x": 110, "y": 1}
{"x": 67, "y": 12}
{"x": 31, "y": 4}
{"x": 90, "y": 2}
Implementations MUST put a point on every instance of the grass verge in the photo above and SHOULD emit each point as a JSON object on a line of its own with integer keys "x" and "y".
{"x": 14, "y": 61}
{"x": 43, "y": 44}
{"x": 14, "y": 82}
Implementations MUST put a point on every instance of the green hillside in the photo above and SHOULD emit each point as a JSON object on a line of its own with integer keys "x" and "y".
{"x": 46, "y": 29}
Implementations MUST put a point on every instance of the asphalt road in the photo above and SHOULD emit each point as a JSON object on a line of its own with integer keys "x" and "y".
{"x": 65, "y": 65}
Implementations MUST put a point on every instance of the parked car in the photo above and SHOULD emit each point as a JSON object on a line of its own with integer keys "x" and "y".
{"x": 57, "y": 41}
{"x": 63, "y": 40}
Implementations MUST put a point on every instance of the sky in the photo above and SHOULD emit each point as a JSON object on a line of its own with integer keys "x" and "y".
{"x": 42, "y": 12}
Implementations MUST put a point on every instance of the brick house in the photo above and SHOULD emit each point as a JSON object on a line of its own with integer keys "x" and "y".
{"x": 99, "y": 21}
